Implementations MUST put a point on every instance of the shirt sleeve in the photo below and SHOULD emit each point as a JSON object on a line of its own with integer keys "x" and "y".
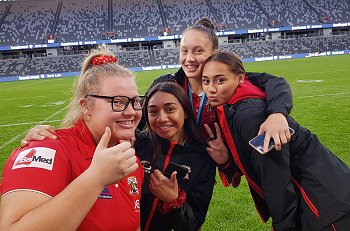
{"x": 278, "y": 92}
{"x": 40, "y": 167}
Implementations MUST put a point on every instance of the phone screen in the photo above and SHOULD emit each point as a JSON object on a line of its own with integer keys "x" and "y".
{"x": 258, "y": 142}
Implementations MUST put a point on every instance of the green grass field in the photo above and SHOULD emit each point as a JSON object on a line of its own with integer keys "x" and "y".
{"x": 321, "y": 94}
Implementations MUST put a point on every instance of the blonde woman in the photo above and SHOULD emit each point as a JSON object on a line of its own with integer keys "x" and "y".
{"x": 87, "y": 178}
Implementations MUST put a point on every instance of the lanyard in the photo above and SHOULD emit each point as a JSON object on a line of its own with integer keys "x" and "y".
{"x": 155, "y": 201}
{"x": 201, "y": 106}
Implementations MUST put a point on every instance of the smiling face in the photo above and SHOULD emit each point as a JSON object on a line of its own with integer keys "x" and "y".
{"x": 166, "y": 116}
{"x": 195, "y": 48}
{"x": 99, "y": 114}
{"x": 219, "y": 83}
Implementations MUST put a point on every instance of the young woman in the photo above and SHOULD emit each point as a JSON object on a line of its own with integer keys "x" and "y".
{"x": 168, "y": 203}
{"x": 304, "y": 186}
{"x": 86, "y": 179}
{"x": 171, "y": 137}
{"x": 198, "y": 42}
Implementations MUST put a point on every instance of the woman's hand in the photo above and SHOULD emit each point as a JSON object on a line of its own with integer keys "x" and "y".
{"x": 277, "y": 128}
{"x": 111, "y": 164}
{"x": 166, "y": 189}
{"x": 216, "y": 147}
{"x": 39, "y": 132}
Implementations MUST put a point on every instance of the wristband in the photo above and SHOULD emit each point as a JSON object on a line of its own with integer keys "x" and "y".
{"x": 177, "y": 203}
{"x": 224, "y": 165}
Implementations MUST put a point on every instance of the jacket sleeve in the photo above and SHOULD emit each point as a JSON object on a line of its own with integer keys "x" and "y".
{"x": 228, "y": 170}
{"x": 271, "y": 170}
{"x": 191, "y": 215}
{"x": 278, "y": 92}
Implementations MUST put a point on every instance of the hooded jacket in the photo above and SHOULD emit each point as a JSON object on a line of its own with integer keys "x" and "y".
{"x": 302, "y": 187}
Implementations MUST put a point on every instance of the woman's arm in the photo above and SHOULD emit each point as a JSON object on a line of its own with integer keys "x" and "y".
{"x": 39, "y": 132}
{"x": 278, "y": 92}
{"x": 30, "y": 210}
{"x": 279, "y": 105}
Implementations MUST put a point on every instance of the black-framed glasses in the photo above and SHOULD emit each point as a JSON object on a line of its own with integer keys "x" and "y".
{"x": 120, "y": 103}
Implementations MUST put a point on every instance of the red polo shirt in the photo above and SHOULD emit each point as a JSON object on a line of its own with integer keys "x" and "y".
{"x": 48, "y": 166}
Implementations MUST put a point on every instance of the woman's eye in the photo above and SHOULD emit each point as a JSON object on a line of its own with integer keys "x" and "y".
{"x": 152, "y": 112}
{"x": 170, "y": 109}
{"x": 221, "y": 80}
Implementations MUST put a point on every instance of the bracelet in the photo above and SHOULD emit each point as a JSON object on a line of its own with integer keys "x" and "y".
{"x": 177, "y": 203}
{"x": 224, "y": 165}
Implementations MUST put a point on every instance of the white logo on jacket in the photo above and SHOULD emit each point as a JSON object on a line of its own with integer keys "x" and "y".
{"x": 39, "y": 157}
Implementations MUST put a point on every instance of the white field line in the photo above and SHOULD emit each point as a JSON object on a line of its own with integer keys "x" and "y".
{"x": 13, "y": 139}
{"x": 19, "y": 124}
{"x": 29, "y": 97}
{"x": 322, "y": 95}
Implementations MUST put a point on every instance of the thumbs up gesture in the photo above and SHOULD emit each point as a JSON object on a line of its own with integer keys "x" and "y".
{"x": 111, "y": 164}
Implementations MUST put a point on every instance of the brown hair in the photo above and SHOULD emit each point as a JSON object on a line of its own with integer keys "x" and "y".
{"x": 206, "y": 26}
{"x": 230, "y": 59}
{"x": 89, "y": 82}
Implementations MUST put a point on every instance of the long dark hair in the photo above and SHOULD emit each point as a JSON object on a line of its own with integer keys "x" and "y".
{"x": 189, "y": 123}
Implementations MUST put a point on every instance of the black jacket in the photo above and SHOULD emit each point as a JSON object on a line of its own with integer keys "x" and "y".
{"x": 198, "y": 187}
{"x": 278, "y": 92}
{"x": 302, "y": 187}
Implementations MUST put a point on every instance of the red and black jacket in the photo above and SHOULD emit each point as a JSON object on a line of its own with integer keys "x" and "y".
{"x": 302, "y": 187}
{"x": 190, "y": 215}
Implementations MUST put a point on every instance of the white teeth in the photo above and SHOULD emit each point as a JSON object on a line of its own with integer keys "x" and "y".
{"x": 164, "y": 127}
{"x": 125, "y": 122}
{"x": 190, "y": 67}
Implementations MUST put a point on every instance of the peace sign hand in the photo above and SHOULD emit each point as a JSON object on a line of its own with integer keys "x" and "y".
{"x": 216, "y": 147}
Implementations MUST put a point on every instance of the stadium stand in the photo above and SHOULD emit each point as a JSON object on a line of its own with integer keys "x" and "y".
{"x": 238, "y": 14}
{"x": 136, "y": 18}
{"x": 138, "y": 58}
{"x": 180, "y": 14}
{"x": 27, "y": 22}
{"x": 239, "y": 48}
{"x": 53, "y": 64}
{"x": 290, "y": 12}
{"x": 9, "y": 67}
{"x": 332, "y": 11}
{"x": 82, "y": 20}
{"x": 30, "y": 22}
{"x": 167, "y": 56}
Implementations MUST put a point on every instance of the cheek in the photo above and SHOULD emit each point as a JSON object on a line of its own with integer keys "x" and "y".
{"x": 152, "y": 121}
{"x": 182, "y": 58}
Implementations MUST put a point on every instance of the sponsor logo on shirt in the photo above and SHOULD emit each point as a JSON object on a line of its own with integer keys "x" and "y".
{"x": 39, "y": 157}
{"x": 132, "y": 181}
{"x": 105, "y": 194}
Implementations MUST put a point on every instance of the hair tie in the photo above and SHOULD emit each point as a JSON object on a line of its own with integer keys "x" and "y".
{"x": 100, "y": 60}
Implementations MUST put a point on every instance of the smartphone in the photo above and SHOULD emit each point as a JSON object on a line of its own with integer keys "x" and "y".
{"x": 181, "y": 170}
{"x": 258, "y": 142}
